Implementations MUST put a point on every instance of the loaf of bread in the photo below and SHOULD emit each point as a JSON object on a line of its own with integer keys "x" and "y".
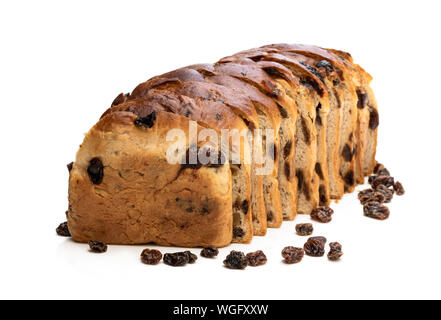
{"x": 306, "y": 120}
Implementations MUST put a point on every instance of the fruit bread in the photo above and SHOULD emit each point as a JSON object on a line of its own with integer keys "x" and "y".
{"x": 301, "y": 128}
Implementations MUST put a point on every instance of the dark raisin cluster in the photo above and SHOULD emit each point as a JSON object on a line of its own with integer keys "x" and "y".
{"x": 383, "y": 187}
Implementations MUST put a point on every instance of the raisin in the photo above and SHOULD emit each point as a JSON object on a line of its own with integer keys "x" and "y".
{"x": 349, "y": 178}
{"x": 319, "y": 238}
{"x": 209, "y": 252}
{"x": 314, "y": 248}
{"x": 385, "y": 192}
{"x": 323, "y": 198}
{"x": 177, "y": 259}
{"x": 218, "y": 117}
{"x": 282, "y": 111}
{"x": 236, "y": 260}
{"x": 287, "y": 149}
{"x": 376, "y": 210}
{"x": 398, "y": 187}
{"x": 325, "y": 64}
{"x": 335, "y": 246}
{"x": 270, "y": 216}
{"x": 147, "y": 122}
{"x": 62, "y": 230}
{"x": 238, "y": 232}
{"x": 378, "y": 167}
{"x": 384, "y": 172}
{"x": 95, "y": 171}
{"x": 304, "y": 229}
{"x": 292, "y": 254}
{"x": 313, "y": 70}
{"x": 70, "y": 166}
{"x": 387, "y": 181}
{"x": 255, "y": 259}
{"x": 335, "y": 253}
{"x": 370, "y": 195}
{"x": 97, "y": 246}
{"x": 318, "y": 170}
{"x": 371, "y": 179}
{"x": 374, "y": 119}
{"x": 151, "y": 257}
{"x": 191, "y": 256}
{"x": 347, "y": 153}
{"x": 287, "y": 171}
{"x": 322, "y": 214}
{"x": 306, "y": 134}
{"x": 245, "y": 206}
{"x": 318, "y": 119}
{"x": 362, "y": 100}
{"x": 273, "y": 151}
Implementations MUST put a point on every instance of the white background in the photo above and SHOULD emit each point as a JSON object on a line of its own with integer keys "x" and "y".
{"x": 63, "y": 62}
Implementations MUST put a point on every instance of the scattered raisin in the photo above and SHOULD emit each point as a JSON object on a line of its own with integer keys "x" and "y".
{"x": 292, "y": 254}
{"x": 347, "y": 153}
{"x": 147, "y": 122}
{"x": 236, "y": 260}
{"x": 97, "y": 246}
{"x": 177, "y": 259}
{"x": 371, "y": 179}
{"x": 209, "y": 252}
{"x": 95, "y": 171}
{"x": 70, "y": 166}
{"x": 304, "y": 229}
{"x": 255, "y": 259}
{"x": 398, "y": 187}
{"x": 378, "y": 167}
{"x": 151, "y": 257}
{"x": 376, "y": 210}
{"x": 387, "y": 181}
{"x": 384, "y": 172}
{"x": 322, "y": 214}
{"x": 191, "y": 256}
{"x": 319, "y": 238}
{"x": 63, "y": 230}
{"x": 370, "y": 195}
{"x": 335, "y": 253}
{"x": 385, "y": 192}
{"x": 314, "y": 248}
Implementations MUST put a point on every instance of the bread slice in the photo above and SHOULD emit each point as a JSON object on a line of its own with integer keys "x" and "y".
{"x": 122, "y": 189}
{"x": 190, "y": 99}
{"x": 367, "y": 116}
{"x": 275, "y": 101}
